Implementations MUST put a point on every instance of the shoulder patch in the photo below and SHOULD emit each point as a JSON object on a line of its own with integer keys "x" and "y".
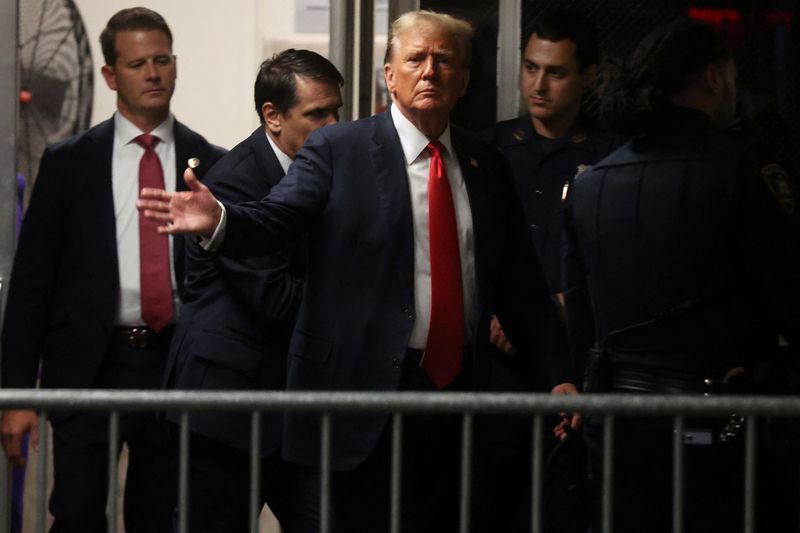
{"x": 780, "y": 184}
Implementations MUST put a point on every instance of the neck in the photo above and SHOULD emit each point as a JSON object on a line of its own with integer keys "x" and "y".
{"x": 555, "y": 128}
{"x": 431, "y": 124}
{"x": 145, "y": 122}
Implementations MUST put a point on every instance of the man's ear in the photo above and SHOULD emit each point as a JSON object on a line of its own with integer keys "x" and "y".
{"x": 388, "y": 76}
{"x": 714, "y": 76}
{"x": 589, "y": 77}
{"x": 109, "y": 76}
{"x": 272, "y": 117}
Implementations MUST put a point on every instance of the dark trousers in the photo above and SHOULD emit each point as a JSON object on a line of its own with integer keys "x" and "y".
{"x": 430, "y": 473}
{"x": 80, "y": 455}
{"x": 502, "y": 469}
{"x": 219, "y": 490}
{"x": 713, "y": 479}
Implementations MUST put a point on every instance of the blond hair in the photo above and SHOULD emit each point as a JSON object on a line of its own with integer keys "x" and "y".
{"x": 459, "y": 29}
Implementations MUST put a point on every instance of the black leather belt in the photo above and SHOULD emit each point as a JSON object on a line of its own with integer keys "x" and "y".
{"x": 141, "y": 337}
{"x": 630, "y": 380}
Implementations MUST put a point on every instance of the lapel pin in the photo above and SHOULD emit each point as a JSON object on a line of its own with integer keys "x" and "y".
{"x": 473, "y": 162}
{"x": 579, "y": 138}
{"x": 518, "y": 135}
{"x": 193, "y": 162}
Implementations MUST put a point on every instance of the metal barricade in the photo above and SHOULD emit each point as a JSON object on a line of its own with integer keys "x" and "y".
{"x": 400, "y": 403}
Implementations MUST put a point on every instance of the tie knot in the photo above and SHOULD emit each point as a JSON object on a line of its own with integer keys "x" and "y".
{"x": 145, "y": 140}
{"x": 435, "y": 148}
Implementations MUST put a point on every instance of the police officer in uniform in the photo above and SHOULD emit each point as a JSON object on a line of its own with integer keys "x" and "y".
{"x": 678, "y": 250}
{"x": 546, "y": 147}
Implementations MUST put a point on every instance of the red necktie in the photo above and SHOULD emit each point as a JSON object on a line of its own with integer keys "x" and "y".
{"x": 445, "y": 347}
{"x": 155, "y": 279}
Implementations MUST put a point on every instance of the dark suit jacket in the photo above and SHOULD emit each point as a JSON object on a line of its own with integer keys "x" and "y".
{"x": 234, "y": 328}
{"x": 64, "y": 287}
{"x": 349, "y": 190}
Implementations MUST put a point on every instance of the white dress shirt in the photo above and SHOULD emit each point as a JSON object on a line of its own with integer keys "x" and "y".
{"x": 417, "y": 159}
{"x": 125, "y": 183}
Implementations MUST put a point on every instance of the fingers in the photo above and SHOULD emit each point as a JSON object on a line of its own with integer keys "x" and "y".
{"x": 191, "y": 180}
{"x": 148, "y": 193}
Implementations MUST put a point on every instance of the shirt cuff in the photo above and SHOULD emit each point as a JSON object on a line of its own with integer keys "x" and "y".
{"x": 212, "y": 244}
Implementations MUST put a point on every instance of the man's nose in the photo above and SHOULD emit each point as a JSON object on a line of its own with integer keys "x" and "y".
{"x": 151, "y": 70}
{"x": 539, "y": 82}
{"x": 429, "y": 67}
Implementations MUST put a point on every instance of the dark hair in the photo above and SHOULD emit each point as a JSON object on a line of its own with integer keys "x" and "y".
{"x": 559, "y": 25}
{"x": 130, "y": 19}
{"x": 275, "y": 81}
{"x": 664, "y": 63}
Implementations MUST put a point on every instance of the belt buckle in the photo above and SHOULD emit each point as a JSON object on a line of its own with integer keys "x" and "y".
{"x": 138, "y": 337}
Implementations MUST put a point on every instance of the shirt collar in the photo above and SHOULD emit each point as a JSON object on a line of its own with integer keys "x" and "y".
{"x": 284, "y": 160}
{"x": 126, "y": 131}
{"x": 414, "y": 141}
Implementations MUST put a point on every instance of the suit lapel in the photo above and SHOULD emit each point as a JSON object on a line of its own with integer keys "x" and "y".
{"x": 268, "y": 165}
{"x": 388, "y": 165}
{"x": 99, "y": 190}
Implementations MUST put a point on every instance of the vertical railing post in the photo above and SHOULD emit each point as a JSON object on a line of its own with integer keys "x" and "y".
{"x": 466, "y": 471}
{"x": 255, "y": 470}
{"x": 677, "y": 474}
{"x": 183, "y": 474}
{"x": 608, "y": 473}
{"x": 41, "y": 474}
{"x": 397, "y": 479}
{"x": 325, "y": 475}
{"x": 113, "y": 470}
{"x": 536, "y": 475}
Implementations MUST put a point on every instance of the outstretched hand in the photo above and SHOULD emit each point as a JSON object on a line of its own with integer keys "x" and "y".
{"x": 195, "y": 211}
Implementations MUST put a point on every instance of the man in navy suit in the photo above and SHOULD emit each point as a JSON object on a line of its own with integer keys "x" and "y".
{"x": 237, "y": 317}
{"x": 75, "y": 303}
{"x": 372, "y": 315}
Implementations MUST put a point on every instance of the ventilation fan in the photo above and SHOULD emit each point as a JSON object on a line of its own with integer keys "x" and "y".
{"x": 55, "y": 76}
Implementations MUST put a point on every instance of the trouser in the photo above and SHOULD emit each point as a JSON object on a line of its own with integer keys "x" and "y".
{"x": 80, "y": 453}
{"x": 219, "y": 490}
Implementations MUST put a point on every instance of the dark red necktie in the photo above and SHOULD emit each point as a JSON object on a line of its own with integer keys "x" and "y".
{"x": 445, "y": 347}
{"x": 154, "y": 273}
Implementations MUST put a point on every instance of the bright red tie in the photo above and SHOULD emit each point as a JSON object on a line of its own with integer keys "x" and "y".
{"x": 155, "y": 279}
{"x": 445, "y": 347}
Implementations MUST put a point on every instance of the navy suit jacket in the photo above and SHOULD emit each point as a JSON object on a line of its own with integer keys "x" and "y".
{"x": 348, "y": 188}
{"x": 237, "y": 316}
{"x": 64, "y": 287}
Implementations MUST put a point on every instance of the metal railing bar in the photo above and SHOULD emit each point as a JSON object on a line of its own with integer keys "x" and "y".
{"x": 536, "y": 475}
{"x": 183, "y": 474}
{"x": 466, "y": 472}
{"x": 113, "y": 470}
{"x": 325, "y": 475}
{"x": 41, "y": 473}
{"x": 750, "y": 475}
{"x": 678, "y": 429}
{"x": 255, "y": 470}
{"x": 608, "y": 473}
{"x": 422, "y": 402}
{"x": 396, "y": 475}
